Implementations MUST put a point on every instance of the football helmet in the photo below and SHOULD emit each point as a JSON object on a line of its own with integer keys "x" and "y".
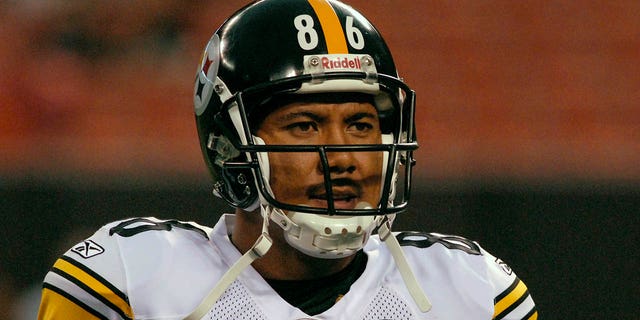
{"x": 279, "y": 50}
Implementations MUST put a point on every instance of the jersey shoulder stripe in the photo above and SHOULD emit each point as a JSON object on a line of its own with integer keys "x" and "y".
{"x": 64, "y": 303}
{"x": 94, "y": 285}
{"x": 510, "y": 299}
{"x": 532, "y": 315}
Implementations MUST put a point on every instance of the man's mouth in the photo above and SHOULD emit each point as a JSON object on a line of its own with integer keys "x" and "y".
{"x": 337, "y": 196}
{"x": 345, "y": 195}
{"x": 338, "y": 202}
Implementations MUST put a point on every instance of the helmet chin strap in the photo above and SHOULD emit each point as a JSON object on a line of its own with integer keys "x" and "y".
{"x": 263, "y": 244}
{"x": 258, "y": 250}
{"x": 409, "y": 278}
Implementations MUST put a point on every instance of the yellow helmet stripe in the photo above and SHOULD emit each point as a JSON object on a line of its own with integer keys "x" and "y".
{"x": 331, "y": 27}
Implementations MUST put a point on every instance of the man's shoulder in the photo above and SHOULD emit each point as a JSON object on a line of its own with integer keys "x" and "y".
{"x": 439, "y": 242}
{"x": 457, "y": 267}
{"x": 428, "y": 244}
{"x": 132, "y": 242}
{"x": 144, "y": 262}
{"x": 131, "y": 228}
{"x": 446, "y": 255}
{"x": 140, "y": 232}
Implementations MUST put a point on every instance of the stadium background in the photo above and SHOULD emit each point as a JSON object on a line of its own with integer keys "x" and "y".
{"x": 529, "y": 125}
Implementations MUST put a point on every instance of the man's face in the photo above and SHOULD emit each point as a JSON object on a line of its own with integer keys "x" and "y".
{"x": 297, "y": 177}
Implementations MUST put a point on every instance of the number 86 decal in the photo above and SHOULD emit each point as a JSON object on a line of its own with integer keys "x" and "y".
{"x": 308, "y": 36}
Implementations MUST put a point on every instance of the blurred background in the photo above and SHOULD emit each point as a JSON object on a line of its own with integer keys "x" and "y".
{"x": 529, "y": 128}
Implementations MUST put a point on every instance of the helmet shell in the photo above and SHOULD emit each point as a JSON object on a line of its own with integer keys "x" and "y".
{"x": 258, "y": 49}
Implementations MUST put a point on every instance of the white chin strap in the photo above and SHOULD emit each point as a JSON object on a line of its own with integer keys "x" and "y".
{"x": 258, "y": 250}
{"x": 264, "y": 242}
{"x": 408, "y": 277}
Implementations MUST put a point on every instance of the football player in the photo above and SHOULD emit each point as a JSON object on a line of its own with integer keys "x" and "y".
{"x": 309, "y": 133}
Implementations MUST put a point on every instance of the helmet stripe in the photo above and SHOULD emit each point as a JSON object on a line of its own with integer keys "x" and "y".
{"x": 331, "y": 27}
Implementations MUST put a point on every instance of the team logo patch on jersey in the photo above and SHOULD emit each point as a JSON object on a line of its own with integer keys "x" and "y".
{"x": 505, "y": 267}
{"x": 87, "y": 249}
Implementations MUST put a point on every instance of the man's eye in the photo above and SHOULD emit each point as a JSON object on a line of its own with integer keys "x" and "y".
{"x": 302, "y": 126}
{"x": 361, "y": 126}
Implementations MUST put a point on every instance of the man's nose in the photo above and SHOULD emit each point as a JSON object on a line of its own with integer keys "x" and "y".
{"x": 340, "y": 162}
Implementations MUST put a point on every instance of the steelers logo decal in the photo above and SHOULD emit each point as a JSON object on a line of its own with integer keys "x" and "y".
{"x": 207, "y": 72}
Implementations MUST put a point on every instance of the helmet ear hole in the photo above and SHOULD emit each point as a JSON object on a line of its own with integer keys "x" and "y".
{"x": 236, "y": 187}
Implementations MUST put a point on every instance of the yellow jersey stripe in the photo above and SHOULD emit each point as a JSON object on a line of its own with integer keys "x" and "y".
{"x": 534, "y": 316}
{"x": 331, "y": 27}
{"x": 55, "y": 306}
{"x": 509, "y": 299}
{"x": 95, "y": 285}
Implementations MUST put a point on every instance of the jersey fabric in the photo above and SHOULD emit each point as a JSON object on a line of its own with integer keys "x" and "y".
{"x": 146, "y": 268}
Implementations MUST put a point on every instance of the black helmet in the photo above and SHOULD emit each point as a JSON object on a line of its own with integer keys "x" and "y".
{"x": 289, "y": 48}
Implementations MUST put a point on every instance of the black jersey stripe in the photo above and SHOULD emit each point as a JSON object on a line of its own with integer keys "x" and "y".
{"x": 96, "y": 276}
{"x": 532, "y": 314}
{"x": 507, "y": 291}
{"x": 513, "y": 306}
{"x": 74, "y": 300}
{"x": 92, "y": 292}
{"x": 510, "y": 298}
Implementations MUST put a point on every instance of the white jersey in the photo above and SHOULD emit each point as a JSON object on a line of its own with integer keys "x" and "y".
{"x": 147, "y": 268}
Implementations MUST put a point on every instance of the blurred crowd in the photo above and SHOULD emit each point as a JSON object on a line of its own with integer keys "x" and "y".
{"x": 99, "y": 87}
{"x": 523, "y": 90}
{"x": 86, "y": 87}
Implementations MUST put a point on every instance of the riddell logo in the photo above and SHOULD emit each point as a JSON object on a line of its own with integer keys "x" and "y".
{"x": 340, "y": 63}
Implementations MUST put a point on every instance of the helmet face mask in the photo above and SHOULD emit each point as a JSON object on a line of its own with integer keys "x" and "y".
{"x": 244, "y": 76}
{"x": 241, "y": 158}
